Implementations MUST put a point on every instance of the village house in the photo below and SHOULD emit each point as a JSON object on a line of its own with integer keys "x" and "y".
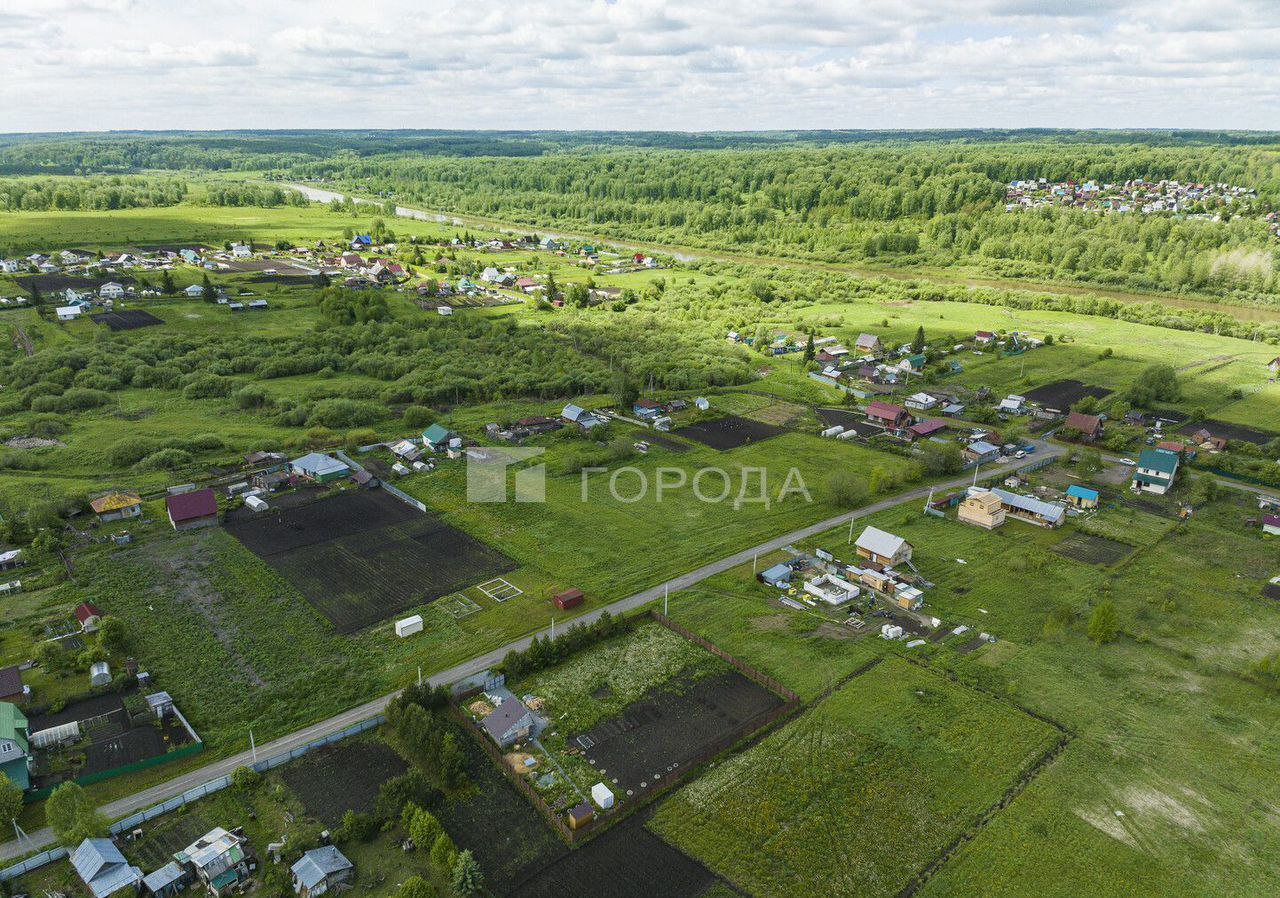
{"x": 984, "y": 338}
{"x": 117, "y": 506}
{"x": 1088, "y": 426}
{"x": 165, "y": 882}
{"x": 921, "y": 402}
{"x": 111, "y": 290}
{"x": 88, "y": 615}
{"x": 891, "y": 417}
{"x": 320, "y": 870}
{"x": 14, "y": 746}
{"x": 1271, "y": 524}
{"x": 241, "y": 250}
{"x": 189, "y": 511}
{"x": 1155, "y": 471}
{"x": 12, "y": 688}
{"x": 575, "y": 414}
{"x": 510, "y": 722}
{"x": 982, "y": 508}
{"x": 869, "y": 344}
{"x": 103, "y": 869}
{"x": 217, "y": 859}
{"x": 1082, "y": 497}
{"x": 646, "y": 408}
{"x": 1031, "y": 510}
{"x": 883, "y": 548}
{"x": 437, "y": 437}
{"x": 319, "y": 468}
{"x": 1274, "y": 365}
{"x": 68, "y": 313}
{"x": 979, "y": 452}
{"x": 925, "y": 429}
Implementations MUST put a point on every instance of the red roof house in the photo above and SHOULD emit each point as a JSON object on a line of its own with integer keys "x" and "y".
{"x": 888, "y": 415}
{"x": 925, "y": 429}
{"x": 88, "y": 614}
{"x": 188, "y": 511}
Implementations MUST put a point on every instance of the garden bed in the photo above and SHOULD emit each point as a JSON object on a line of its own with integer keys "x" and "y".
{"x": 361, "y": 557}
{"x": 729, "y": 432}
{"x": 342, "y": 777}
{"x": 126, "y": 321}
{"x": 1089, "y": 549}
{"x": 1062, "y": 394}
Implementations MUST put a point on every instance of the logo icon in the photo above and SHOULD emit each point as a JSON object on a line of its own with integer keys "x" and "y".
{"x": 487, "y": 470}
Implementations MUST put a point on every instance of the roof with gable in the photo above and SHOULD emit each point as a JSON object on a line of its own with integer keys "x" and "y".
{"x": 1076, "y": 491}
{"x": 103, "y": 868}
{"x": 880, "y": 542}
{"x": 1031, "y": 505}
{"x": 1086, "y": 424}
{"x": 319, "y": 864}
{"x": 1161, "y": 461}
{"x": 87, "y": 611}
{"x": 191, "y": 506}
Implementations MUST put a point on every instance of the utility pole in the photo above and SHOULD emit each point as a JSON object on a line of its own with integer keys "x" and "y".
{"x": 253, "y": 748}
{"x": 754, "y": 558}
{"x": 553, "y": 629}
{"x": 851, "y": 520}
{"x": 666, "y": 593}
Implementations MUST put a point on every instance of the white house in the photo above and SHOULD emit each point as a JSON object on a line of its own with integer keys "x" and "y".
{"x": 241, "y": 250}
{"x": 195, "y": 291}
{"x": 68, "y": 313}
{"x": 111, "y": 290}
{"x": 921, "y": 401}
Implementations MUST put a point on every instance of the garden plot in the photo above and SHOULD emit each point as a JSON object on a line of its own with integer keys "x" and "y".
{"x": 169, "y": 835}
{"x": 1231, "y": 431}
{"x": 126, "y": 321}
{"x": 681, "y": 723}
{"x": 458, "y": 606}
{"x": 359, "y": 558}
{"x": 1062, "y": 394}
{"x": 500, "y": 590}
{"x": 862, "y": 793}
{"x": 729, "y": 432}
{"x": 342, "y": 777}
{"x": 1089, "y": 549}
{"x": 627, "y": 861}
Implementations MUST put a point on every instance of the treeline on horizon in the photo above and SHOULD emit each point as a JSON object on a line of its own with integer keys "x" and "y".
{"x": 895, "y": 199}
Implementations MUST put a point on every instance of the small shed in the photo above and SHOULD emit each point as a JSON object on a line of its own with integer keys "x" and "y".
{"x": 570, "y": 598}
{"x": 601, "y": 795}
{"x": 1081, "y": 496}
{"x": 409, "y": 625}
{"x": 168, "y": 880}
{"x": 580, "y": 815}
{"x": 99, "y": 674}
{"x": 776, "y": 575}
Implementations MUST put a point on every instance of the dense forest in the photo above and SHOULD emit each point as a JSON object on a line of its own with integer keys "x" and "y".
{"x": 84, "y": 194}
{"x": 918, "y": 204}
{"x": 887, "y": 199}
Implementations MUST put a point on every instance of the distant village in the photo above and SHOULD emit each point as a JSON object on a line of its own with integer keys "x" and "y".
{"x": 1146, "y": 197}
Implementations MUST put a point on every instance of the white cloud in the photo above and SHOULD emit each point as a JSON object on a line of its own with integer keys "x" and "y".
{"x": 641, "y": 64}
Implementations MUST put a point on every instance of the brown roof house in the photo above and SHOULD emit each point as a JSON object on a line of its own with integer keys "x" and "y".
{"x": 189, "y": 511}
{"x": 1088, "y": 426}
{"x": 11, "y": 688}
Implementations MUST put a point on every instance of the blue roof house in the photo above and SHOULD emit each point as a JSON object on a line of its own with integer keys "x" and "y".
{"x": 319, "y": 467}
{"x": 1082, "y": 496}
{"x": 319, "y": 870}
{"x": 104, "y": 869}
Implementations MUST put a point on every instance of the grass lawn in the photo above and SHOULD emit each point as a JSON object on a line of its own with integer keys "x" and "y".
{"x": 862, "y": 792}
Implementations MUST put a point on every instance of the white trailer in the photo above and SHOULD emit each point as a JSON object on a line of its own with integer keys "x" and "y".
{"x": 409, "y": 625}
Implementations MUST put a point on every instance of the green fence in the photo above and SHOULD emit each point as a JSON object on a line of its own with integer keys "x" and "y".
{"x": 145, "y": 764}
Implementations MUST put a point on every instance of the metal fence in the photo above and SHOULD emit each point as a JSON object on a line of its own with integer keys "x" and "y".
{"x": 395, "y": 491}
{"x": 204, "y": 789}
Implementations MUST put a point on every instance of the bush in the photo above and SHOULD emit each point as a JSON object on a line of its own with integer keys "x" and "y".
{"x": 418, "y": 416}
{"x": 844, "y": 490}
{"x": 165, "y": 460}
{"x": 340, "y": 413}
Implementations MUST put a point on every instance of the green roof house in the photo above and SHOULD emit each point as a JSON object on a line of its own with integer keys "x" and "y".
{"x": 1155, "y": 471}
{"x": 14, "y": 749}
{"x": 437, "y": 437}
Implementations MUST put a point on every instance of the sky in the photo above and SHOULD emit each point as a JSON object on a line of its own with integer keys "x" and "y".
{"x": 689, "y": 65}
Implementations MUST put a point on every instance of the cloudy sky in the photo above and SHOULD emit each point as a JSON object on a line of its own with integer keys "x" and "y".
{"x": 639, "y": 64}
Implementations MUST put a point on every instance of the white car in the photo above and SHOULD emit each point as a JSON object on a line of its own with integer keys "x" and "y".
{"x": 1128, "y": 461}
{"x": 1020, "y": 454}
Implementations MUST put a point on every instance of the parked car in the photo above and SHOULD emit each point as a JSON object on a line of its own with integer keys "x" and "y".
{"x": 1128, "y": 461}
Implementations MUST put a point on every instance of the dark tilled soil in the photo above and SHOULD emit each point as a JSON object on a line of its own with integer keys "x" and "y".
{"x": 359, "y": 558}
{"x": 1230, "y": 431}
{"x": 1089, "y": 549}
{"x": 659, "y": 735}
{"x": 126, "y": 321}
{"x": 1063, "y": 394}
{"x": 627, "y": 861}
{"x": 345, "y": 776}
{"x": 729, "y": 432}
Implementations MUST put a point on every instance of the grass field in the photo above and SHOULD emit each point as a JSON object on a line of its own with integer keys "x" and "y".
{"x": 862, "y": 792}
